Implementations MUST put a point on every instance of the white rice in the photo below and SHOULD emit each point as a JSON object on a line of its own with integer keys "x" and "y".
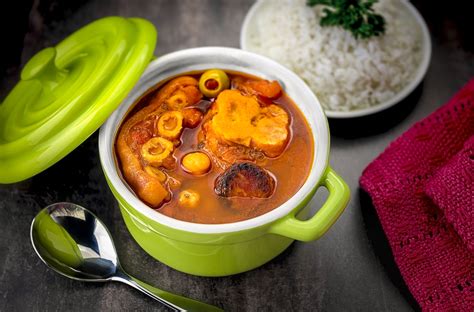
{"x": 346, "y": 74}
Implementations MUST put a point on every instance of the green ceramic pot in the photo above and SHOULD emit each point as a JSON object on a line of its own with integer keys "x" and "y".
{"x": 225, "y": 249}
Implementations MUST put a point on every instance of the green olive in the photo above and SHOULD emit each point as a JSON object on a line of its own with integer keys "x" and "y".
{"x": 213, "y": 82}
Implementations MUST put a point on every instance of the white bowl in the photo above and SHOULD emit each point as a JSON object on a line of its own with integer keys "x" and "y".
{"x": 420, "y": 73}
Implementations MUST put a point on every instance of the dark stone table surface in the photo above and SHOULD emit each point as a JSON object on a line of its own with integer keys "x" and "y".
{"x": 349, "y": 269}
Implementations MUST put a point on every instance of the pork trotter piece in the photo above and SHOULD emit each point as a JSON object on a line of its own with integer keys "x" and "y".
{"x": 178, "y": 93}
{"x": 144, "y": 126}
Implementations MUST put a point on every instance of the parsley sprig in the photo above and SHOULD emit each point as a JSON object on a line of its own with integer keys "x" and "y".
{"x": 356, "y": 16}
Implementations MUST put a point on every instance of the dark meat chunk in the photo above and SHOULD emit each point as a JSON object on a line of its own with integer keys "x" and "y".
{"x": 245, "y": 180}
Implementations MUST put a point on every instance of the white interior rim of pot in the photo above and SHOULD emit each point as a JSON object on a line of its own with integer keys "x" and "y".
{"x": 402, "y": 94}
{"x": 197, "y": 59}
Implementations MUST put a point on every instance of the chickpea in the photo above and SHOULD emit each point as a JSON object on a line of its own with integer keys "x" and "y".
{"x": 213, "y": 82}
{"x": 196, "y": 163}
{"x": 189, "y": 199}
{"x": 170, "y": 124}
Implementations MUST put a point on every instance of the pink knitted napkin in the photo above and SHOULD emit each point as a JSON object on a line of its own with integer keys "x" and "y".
{"x": 433, "y": 258}
{"x": 452, "y": 190}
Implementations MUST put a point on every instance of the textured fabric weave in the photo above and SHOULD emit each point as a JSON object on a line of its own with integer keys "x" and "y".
{"x": 452, "y": 190}
{"x": 433, "y": 258}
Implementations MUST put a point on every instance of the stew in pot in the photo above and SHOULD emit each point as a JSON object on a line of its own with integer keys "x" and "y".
{"x": 215, "y": 147}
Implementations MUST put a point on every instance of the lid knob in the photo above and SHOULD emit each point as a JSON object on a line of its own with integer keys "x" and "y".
{"x": 41, "y": 65}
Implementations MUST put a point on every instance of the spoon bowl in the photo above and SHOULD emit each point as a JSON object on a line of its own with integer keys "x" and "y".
{"x": 72, "y": 241}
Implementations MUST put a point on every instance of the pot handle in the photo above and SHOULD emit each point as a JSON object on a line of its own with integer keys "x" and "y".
{"x": 314, "y": 228}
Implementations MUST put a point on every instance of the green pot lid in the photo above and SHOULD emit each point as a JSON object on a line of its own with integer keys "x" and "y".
{"x": 68, "y": 91}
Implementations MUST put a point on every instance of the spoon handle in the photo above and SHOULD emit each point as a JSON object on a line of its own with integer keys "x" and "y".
{"x": 172, "y": 301}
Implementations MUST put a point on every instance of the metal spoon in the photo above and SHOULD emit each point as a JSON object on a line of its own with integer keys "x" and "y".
{"x": 75, "y": 243}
